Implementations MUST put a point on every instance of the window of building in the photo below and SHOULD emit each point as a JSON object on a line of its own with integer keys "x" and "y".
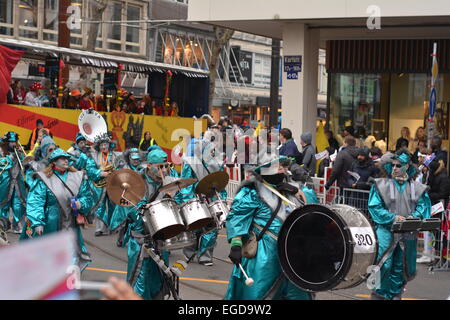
{"x": 28, "y": 19}
{"x": 113, "y": 30}
{"x": 51, "y": 12}
{"x": 262, "y": 67}
{"x": 76, "y": 35}
{"x": 6, "y": 17}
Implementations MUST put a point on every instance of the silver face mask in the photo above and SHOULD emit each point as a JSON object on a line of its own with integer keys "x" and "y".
{"x": 399, "y": 172}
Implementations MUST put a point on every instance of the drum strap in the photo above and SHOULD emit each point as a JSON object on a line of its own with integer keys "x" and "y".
{"x": 271, "y": 234}
{"x": 274, "y": 214}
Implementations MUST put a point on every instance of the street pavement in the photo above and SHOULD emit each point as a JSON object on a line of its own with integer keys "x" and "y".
{"x": 210, "y": 282}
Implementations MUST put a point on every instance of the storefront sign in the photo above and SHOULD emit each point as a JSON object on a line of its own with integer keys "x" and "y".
{"x": 242, "y": 70}
{"x": 292, "y": 65}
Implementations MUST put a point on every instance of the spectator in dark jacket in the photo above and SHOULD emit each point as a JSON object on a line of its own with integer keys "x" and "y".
{"x": 288, "y": 146}
{"x": 334, "y": 144}
{"x": 308, "y": 153}
{"x": 343, "y": 163}
{"x": 401, "y": 143}
{"x": 365, "y": 168}
{"x": 436, "y": 144}
{"x": 438, "y": 181}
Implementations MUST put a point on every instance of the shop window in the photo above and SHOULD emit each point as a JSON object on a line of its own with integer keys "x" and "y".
{"x": 356, "y": 100}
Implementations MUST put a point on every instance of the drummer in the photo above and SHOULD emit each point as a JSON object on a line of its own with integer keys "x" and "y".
{"x": 119, "y": 219}
{"x": 393, "y": 199}
{"x": 254, "y": 204}
{"x": 200, "y": 162}
{"x": 143, "y": 273}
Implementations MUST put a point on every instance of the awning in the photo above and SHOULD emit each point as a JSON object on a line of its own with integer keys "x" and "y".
{"x": 95, "y": 59}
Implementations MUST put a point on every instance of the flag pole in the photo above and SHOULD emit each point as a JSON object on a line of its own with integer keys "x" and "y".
{"x": 432, "y": 102}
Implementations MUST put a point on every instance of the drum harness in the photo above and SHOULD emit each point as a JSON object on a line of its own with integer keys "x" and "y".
{"x": 170, "y": 279}
{"x": 270, "y": 294}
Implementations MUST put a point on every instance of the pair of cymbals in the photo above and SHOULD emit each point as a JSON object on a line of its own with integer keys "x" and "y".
{"x": 126, "y": 187}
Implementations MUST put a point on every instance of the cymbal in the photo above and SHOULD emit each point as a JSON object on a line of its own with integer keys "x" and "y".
{"x": 128, "y": 180}
{"x": 213, "y": 182}
{"x": 177, "y": 185}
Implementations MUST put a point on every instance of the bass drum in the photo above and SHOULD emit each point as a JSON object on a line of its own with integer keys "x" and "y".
{"x": 326, "y": 247}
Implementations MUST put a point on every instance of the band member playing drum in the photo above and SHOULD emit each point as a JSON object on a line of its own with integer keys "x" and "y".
{"x": 200, "y": 162}
{"x": 393, "y": 199}
{"x": 143, "y": 273}
{"x": 259, "y": 208}
{"x": 59, "y": 200}
{"x": 13, "y": 193}
{"x": 119, "y": 221}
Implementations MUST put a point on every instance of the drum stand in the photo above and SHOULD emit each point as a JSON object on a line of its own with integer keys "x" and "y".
{"x": 218, "y": 226}
{"x": 172, "y": 281}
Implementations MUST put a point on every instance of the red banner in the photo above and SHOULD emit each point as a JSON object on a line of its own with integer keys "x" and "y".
{"x": 8, "y": 61}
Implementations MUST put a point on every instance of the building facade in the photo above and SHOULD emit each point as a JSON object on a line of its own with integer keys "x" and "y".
{"x": 378, "y": 58}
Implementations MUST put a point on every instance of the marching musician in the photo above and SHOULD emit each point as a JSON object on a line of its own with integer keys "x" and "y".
{"x": 59, "y": 200}
{"x": 13, "y": 192}
{"x": 105, "y": 158}
{"x": 143, "y": 273}
{"x": 79, "y": 147}
{"x": 393, "y": 199}
{"x": 119, "y": 219}
{"x": 258, "y": 209}
{"x": 40, "y": 159}
{"x": 200, "y": 161}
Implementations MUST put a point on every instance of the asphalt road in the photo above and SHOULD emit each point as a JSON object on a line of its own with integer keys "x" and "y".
{"x": 210, "y": 282}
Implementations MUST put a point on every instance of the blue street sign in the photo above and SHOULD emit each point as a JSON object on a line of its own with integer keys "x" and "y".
{"x": 432, "y": 102}
{"x": 292, "y": 65}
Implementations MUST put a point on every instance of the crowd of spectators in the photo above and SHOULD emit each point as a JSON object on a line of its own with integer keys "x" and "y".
{"x": 39, "y": 96}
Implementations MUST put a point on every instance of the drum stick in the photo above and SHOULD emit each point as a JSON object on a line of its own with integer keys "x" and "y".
{"x": 248, "y": 281}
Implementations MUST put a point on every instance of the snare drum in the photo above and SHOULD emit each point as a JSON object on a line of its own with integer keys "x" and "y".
{"x": 183, "y": 240}
{"x": 219, "y": 209}
{"x": 196, "y": 214}
{"x": 326, "y": 247}
{"x": 162, "y": 219}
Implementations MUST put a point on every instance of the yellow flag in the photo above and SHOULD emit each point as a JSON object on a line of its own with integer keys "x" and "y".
{"x": 321, "y": 142}
{"x": 258, "y": 129}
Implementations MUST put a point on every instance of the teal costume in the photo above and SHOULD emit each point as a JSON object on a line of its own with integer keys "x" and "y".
{"x": 119, "y": 218}
{"x": 103, "y": 207}
{"x": 143, "y": 273}
{"x": 198, "y": 165}
{"x": 13, "y": 192}
{"x": 49, "y": 206}
{"x": 387, "y": 199}
{"x": 251, "y": 210}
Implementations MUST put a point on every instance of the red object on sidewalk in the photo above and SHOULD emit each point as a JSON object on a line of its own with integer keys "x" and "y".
{"x": 8, "y": 61}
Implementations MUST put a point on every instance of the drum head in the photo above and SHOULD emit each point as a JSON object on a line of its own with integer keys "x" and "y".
{"x": 314, "y": 248}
